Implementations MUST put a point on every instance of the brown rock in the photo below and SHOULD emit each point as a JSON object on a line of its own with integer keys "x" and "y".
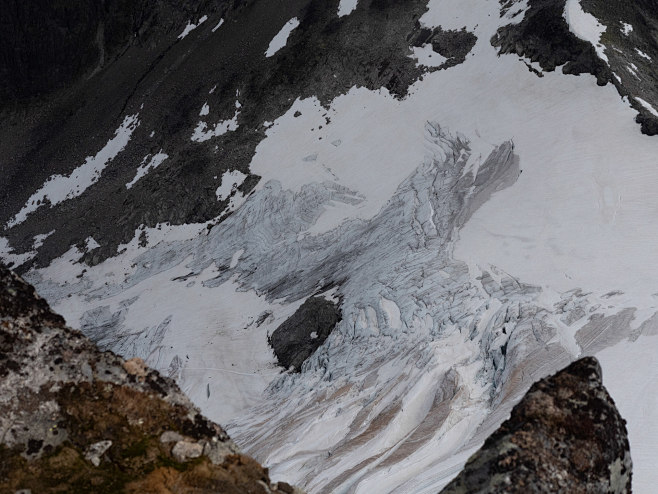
{"x": 565, "y": 436}
{"x": 136, "y": 367}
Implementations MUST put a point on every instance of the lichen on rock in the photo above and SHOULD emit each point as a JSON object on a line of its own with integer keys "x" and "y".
{"x": 75, "y": 419}
{"x": 565, "y": 436}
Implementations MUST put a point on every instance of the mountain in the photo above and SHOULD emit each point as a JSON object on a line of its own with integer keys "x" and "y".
{"x": 436, "y": 202}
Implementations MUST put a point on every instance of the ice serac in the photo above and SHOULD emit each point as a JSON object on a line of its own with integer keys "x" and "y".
{"x": 566, "y": 435}
{"x": 75, "y": 419}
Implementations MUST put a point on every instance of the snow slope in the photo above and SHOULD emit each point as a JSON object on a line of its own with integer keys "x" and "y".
{"x": 481, "y": 233}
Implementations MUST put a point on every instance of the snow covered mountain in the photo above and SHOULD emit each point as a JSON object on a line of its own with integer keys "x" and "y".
{"x": 465, "y": 186}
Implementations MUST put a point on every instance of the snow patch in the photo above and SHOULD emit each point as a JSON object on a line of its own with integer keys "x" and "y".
{"x": 626, "y": 28}
{"x": 632, "y": 68}
{"x": 426, "y": 56}
{"x": 9, "y": 257}
{"x": 642, "y": 54}
{"x": 39, "y": 239}
{"x": 202, "y": 133}
{"x": 648, "y": 106}
{"x": 91, "y": 244}
{"x": 280, "y": 40}
{"x": 346, "y": 7}
{"x": 191, "y": 27}
{"x": 205, "y": 109}
{"x": 231, "y": 180}
{"x": 59, "y": 188}
{"x": 219, "y": 24}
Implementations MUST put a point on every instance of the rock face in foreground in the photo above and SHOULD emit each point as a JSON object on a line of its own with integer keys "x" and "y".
{"x": 564, "y": 436}
{"x": 74, "y": 419}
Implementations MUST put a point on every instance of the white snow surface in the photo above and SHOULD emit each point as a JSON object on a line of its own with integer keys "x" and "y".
{"x": 427, "y": 56}
{"x": 627, "y": 28}
{"x": 345, "y": 7}
{"x": 8, "y": 255}
{"x": 191, "y": 27}
{"x": 218, "y": 25}
{"x": 91, "y": 244}
{"x": 585, "y": 26}
{"x": 203, "y": 133}
{"x": 648, "y": 106}
{"x": 642, "y": 54}
{"x": 441, "y": 253}
{"x": 155, "y": 161}
{"x": 281, "y": 38}
{"x": 230, "y": 181}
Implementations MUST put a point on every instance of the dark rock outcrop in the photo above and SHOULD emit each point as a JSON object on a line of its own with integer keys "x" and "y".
{"x": 544, "y": 37}
{"x": 453, "y": 45}
{"x": 304, "y": 332}
{"x": 565, "y": 436}
{"x": 74, "y": 419}
{"x": 632, "y": 52}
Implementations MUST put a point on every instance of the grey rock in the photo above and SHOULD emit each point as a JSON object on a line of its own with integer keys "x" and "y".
{"x": 96, "y": 450}
{"x": 186, "y": 450}
{"x": 152, "y": 72}
{"x": 543, "y": 36}
{"x": 62, "y": 400}
{"x": 170, "y": 437}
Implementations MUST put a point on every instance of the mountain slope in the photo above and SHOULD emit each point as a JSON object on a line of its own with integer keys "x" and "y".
{"x": 565, "y": 435}
{"x": 480, "y": 214}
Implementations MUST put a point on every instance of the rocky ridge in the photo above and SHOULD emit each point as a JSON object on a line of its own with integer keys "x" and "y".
{"x": 565, "y": 435}
{"x": 75, "y": 419}
{"x": 629, "y": 40}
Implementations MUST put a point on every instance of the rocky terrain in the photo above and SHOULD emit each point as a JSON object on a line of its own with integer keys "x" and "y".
{"x": 564, "y": 436}
{"x": 544, "y": 36}
{"x": 74, "y": 419}
{"x": 131, "y": 59}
